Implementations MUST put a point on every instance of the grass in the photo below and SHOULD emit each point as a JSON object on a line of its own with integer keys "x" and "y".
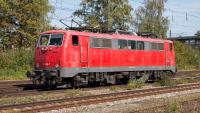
{"x": 116, "y": 88}
{"x": 10, "y": 111}
{"x": 9, "y": 74}
{"x": 165, "y": 81}
{"x": 173, "y": 107}
{"x": 181, "y": 81}
{"x": 130, "y": 86}
{"x": 134, "y": 84}
{"x": 195, "y": 75}
{"x": 186, "y": 80}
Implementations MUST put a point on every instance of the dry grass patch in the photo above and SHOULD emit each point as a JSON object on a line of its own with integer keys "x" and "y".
{"x": 130, "y": 86}
{"x": 116, "y": 88}
{"x": 10, "y": 111}
{"x": 134, "y": 84}
{"x": 186, "y": 80}
{"x": 173, "y": 107}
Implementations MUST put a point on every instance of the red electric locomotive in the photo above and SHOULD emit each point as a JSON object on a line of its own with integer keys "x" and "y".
{"x": 82, "y": 58}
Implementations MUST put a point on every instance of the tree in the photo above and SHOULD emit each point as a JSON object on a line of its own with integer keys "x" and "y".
{"x": 198, "y": 33}
{"x": 150, "y": 18}
{"x": 105, "y": 14}
{"x": 21, "y": 21}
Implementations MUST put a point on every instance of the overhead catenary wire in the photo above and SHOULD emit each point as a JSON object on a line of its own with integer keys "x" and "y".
{"x": 183, "y": 13}
{"x": 174, "y": 14}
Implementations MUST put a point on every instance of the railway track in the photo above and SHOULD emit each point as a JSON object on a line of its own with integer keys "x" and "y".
{"x": 30, "y": 90}
{"x": 187, "y": 73}
{"x": 196, "y": 77}
{"x": 48, "y": 91}
{"x": 14, "y": 82}
{"x": 13, "y": 88}
{"x": 87, "y": 100}
{"x": 162, "y": 106}
{"x": 25, "y": 87}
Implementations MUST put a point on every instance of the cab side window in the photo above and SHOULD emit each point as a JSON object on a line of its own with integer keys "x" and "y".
{"x": 75, "y": 41}
{"x": 132, "y": 44}
{"x": 140, "y": 45}
{"x": 122, "y": 44}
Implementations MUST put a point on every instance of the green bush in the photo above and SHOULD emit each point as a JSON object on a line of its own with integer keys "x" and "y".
{"x": 17, "y": 59}
{"x": 186, "y": 57}
{"x": 14, "y": 63}
{"x": 134, "y": 84}
{"x": 166, "y": 81}
{"x": 9, "y": 74}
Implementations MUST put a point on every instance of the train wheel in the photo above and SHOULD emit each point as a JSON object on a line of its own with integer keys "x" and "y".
{"x": 76, "y": 81}
{"x": 105, "y": 81}
{"x": 47, "y": 83}
{"x": 50, "y": 83}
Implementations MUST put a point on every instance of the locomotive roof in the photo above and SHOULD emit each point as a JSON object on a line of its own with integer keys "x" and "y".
{"x": 107, "y": 35}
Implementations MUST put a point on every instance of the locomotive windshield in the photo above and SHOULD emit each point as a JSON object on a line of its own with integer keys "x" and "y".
{"x": 50, "y": 39}
{"x": 44, "y": 39}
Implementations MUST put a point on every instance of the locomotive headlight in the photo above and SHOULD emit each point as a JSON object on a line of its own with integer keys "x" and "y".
{"x": 56, "y": 65}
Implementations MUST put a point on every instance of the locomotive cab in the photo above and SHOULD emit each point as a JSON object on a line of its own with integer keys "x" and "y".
{"x": 47, "y": 59}
{"x": 48, "y": 51}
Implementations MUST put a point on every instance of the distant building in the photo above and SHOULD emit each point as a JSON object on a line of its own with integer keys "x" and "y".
{"x": 193, "y": 41}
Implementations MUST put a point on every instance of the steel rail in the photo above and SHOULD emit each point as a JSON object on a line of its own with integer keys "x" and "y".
{"x": 87, "y": 100}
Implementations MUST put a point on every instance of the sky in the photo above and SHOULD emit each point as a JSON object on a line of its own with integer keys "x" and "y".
{"x": 184, "y": 15}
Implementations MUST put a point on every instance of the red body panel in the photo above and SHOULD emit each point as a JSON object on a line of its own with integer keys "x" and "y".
{"x": 83, "y": 55}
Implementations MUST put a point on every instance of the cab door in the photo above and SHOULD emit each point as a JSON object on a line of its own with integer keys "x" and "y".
{"x": 83, "y": 51}
{"x": 168, "y": 54}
